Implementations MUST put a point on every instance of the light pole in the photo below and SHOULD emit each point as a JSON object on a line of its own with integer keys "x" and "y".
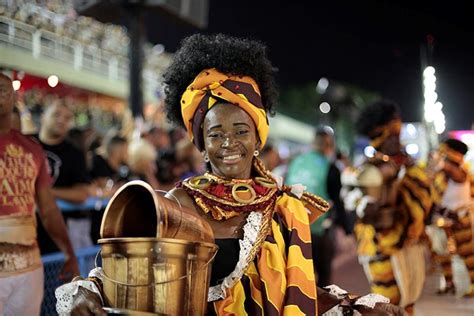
{"x": 433, "y": 109}
{"x": 434, "y": 118}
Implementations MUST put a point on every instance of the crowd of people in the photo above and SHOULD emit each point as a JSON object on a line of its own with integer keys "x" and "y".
{"x": 97, "y": 38}
{"x": 59, "y": 17}
{"x": 88, "y": 163}
{"x": 93, "y": 111}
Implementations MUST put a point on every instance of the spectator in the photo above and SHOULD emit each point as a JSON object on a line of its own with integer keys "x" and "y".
{"x": 82, "y": 139}
{"x": 270, "y": 157}
{"x": 109, "y": 162}
{"x": 68, "y": 170}
{"x": 189, "y": 160}
{"x": 66, "y": 161}
{"x": 109, "y": 171}
{"x": 142, "y": 161}
{"x": 22, "y": 162}
{"x": 342, "y": 161}
{"x": 159, "y": 138}
{"x": 320, "y": 175}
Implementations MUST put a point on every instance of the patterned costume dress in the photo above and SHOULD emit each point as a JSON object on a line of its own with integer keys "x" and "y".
{"x": 274, "y": 274}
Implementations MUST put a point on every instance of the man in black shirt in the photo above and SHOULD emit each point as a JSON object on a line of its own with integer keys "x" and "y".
{"x": 67, "y": 165}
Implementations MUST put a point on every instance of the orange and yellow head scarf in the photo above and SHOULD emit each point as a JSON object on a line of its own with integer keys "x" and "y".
{"x": 380, "y": 134}
{"x": 212, "y": 86}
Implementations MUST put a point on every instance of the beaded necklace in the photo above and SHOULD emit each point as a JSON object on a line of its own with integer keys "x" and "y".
{"x": 226, "y": 198}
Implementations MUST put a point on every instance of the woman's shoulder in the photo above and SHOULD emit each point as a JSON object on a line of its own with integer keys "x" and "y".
{"x": 290, "y": 208}
{"x": 180, "y": 195}
{"x": 304, "y": 207}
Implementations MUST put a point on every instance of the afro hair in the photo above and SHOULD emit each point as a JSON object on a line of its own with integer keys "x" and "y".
{"x": 376, "y": 114}
{"x": 229, "y": 55}
{"x": 456, "y": 145}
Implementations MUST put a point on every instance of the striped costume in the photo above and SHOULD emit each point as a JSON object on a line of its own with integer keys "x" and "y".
{"x": 463, "y": 235}
{"x": 277, "y": 276}
{"x": 461, "y": 231}
{"x": 440, "y": 251}
{"x": 384, "y": 236}
{"x": 280, "y": 280}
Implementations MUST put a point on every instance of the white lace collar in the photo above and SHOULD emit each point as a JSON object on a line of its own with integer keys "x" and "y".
{"x": 251, "y": 232}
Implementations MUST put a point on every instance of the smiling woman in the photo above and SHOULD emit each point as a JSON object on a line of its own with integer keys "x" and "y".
{"x": 223, "y": 103}
{"x": 220, "y": 89}
{"x": 230, "y": 141}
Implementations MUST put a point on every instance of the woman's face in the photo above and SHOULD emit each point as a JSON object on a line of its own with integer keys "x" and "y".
{"x": 230, "y": 139}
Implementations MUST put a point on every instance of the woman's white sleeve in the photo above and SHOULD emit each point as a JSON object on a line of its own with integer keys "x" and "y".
{"x": 66, "y": 292}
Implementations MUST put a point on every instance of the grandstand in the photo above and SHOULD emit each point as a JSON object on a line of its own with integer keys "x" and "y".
{"x": 82, "y": 52}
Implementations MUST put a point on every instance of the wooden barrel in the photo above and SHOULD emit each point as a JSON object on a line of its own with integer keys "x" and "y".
{"x": 159, "y": 275}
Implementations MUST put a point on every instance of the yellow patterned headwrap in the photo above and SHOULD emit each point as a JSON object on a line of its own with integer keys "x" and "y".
{"x": 381, "y": 133}
{"x": 212, "y": 86}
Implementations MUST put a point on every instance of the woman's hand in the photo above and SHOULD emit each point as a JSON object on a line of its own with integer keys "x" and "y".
{"x": 87, "y": 303}
{"x": 391, "y": 309}
{"x": 382, "y": 309}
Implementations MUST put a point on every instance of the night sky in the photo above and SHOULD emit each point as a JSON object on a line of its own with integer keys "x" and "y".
{"x": 373, "y": 44}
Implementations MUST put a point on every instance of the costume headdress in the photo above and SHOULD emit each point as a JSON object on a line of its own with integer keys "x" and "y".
{"x": 211, "y": 86}
{"x": 380, "y": 134}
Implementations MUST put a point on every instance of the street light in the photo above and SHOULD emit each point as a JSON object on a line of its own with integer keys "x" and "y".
{"x": 16, "y": 85}
{"x": 53, "y": 81}
{"x": 325, "y": 107}
{"x": 433, "y": 108}
{"x": 323, "y": 84}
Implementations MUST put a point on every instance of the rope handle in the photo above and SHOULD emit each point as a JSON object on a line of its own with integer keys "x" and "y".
{"x": 102, "y": 273}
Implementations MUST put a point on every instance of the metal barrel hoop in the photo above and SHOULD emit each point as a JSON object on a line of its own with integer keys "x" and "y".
{"x": 101, "y": 272}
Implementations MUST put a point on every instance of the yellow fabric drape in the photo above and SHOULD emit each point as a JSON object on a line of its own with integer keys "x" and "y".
{"x": 280, "y": 280}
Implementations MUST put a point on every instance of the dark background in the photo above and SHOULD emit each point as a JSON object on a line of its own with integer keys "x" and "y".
{"x": 373, "y": 44}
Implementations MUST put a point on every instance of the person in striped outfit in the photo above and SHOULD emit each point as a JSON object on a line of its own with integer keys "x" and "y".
{"x": 452, "y": 194}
